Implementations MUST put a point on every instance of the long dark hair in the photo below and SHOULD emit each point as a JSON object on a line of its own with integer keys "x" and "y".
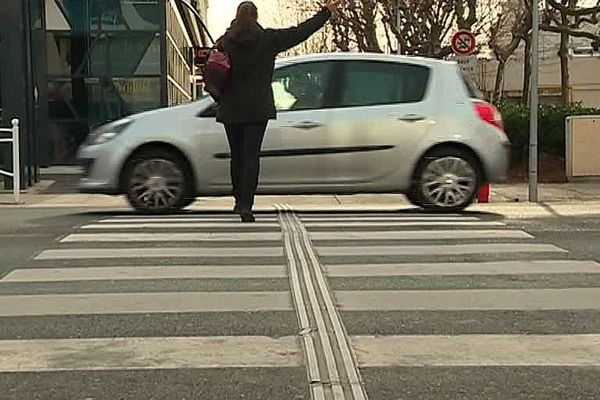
{"x": 245, "y": 18}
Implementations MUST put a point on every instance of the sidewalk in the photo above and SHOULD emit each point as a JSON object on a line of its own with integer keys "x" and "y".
{"x": 509, "y": 200}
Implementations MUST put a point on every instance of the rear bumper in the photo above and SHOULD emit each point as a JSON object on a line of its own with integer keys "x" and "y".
{"x": 498, "y": 163}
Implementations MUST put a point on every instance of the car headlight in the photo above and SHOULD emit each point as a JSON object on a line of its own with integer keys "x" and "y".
{"x": 107, "y": 132}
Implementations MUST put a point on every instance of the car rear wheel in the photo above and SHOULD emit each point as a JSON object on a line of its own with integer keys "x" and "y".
{"x": 446, "y": 180}
{"x": 158, "y": 181}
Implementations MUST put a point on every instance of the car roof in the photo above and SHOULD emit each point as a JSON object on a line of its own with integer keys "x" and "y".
{"x": 345, "y": 56}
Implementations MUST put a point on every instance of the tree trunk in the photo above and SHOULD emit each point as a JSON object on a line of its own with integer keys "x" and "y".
{"x": 563, "y": 54}
{"x": 499, "y": 79}
{"x": 526, "y": 71}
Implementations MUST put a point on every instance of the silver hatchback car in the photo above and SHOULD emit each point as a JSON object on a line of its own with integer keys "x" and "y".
{"x": 348, "y": 123}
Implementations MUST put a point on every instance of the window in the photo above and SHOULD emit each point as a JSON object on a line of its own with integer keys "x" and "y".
{"x": 302, "y": 86}
{"x": 376, "y": 83}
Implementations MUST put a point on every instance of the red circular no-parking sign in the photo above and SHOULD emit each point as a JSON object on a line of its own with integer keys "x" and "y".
{"x": 463, "y": 43}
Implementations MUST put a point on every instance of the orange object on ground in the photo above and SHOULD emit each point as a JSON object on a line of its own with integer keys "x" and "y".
{"x": 484, "y": 193}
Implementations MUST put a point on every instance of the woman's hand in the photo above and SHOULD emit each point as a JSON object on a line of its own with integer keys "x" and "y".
{"x": 333, "y": 5}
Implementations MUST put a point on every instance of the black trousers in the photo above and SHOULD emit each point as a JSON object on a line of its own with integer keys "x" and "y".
{"x": 245, "y": 142}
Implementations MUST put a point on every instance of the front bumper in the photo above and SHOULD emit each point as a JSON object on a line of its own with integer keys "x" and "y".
{"x": 102, "y": 166}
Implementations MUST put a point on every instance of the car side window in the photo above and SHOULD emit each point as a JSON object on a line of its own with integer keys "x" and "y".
{"x": 301, "y": 86}
{"x": 368, "y": 83}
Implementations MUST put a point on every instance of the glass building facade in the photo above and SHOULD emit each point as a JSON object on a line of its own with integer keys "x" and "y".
{"x": 98, "y": 60}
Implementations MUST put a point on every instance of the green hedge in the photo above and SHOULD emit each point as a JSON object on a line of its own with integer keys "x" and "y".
{"x": 551, "y": 128}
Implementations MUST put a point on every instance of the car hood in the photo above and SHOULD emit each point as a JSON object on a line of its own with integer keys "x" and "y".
{"x": 192, "y": 108}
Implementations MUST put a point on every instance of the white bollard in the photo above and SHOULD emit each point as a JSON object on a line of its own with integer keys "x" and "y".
{"x": 16, "y": 161}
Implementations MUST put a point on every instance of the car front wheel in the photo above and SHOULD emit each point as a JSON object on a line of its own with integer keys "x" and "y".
{"x": 447, "y": 180}
{"x": 158, "y": 181}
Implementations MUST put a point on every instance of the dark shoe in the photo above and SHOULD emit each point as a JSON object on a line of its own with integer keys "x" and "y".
{"x": 247, "y": 216}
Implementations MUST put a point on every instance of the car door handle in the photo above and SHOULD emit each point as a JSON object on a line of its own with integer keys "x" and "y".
{"x": 412, "y": 118}
{"x": 307, "y": 125}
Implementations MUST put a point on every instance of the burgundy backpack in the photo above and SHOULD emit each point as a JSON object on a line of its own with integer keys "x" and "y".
{"x": 217, "y": 72}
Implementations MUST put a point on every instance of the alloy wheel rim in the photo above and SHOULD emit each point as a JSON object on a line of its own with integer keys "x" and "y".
{"x": 157, "y": 184}
{"x": 448, "y": 182}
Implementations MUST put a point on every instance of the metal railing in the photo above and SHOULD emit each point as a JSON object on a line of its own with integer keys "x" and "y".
{"x": 16, "y": 170}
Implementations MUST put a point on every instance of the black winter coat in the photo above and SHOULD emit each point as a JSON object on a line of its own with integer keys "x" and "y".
{"x": 249, "y": 97}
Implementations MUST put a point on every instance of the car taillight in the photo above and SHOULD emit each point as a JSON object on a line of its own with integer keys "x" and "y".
{"x": 489, "y": 114}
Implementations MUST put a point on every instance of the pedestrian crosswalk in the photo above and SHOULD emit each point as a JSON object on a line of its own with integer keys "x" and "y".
{"x": 333, "y": 294}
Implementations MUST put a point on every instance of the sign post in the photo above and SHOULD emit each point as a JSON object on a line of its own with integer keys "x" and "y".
{"x": 534, "y": 99}
{"x": 464, "y": 45}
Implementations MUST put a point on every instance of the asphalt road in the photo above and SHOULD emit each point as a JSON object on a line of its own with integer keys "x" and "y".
{"x": 110, "y": 305}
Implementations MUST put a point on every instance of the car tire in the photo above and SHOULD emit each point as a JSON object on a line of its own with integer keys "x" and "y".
{"x": 188, "y": 202}
{"x": 158, "y": 181}
{"x": 446, "y": 180}
{"x": 412, "y": 197}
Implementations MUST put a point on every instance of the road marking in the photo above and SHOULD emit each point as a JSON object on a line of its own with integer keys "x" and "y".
{"x": 172, "y": 237}
{"x": 162, "y": 252}
{"x": 232, "y": 220}
{"x": 169, "y": 225}
{"x": 349, "y": 219}
{"x": 456, "y": 249}
{"x": 523, "y": 267}
{"x": 421, "y": 235}
{"x": 140, "y": 303}
{"x": 148, "y": 353}
{"x": 376, "y": 214}
{"x": 321, "y": 328}
{"x": 145, "y": 272}
{"x": 423, "y": 223}
{"x": 312, "y": 364}
{"x": 348, "y": 358}
{"x": 486, "y": 299}
{"x": 478, "y": 350}
{"x": 335, "y": 348}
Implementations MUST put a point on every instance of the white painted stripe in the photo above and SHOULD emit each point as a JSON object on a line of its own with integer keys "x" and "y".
{"x": 167, "y": 225}
{"x": 457, "y": 249}
{"x": 184, "y": 219}
{"x": 138, "y": 273}
{"x": 486, "y": 299}
{"x": 478, "y": 350}
{"x": 480, "y": 268}
{"x": 140, "y": 303}
{"x": 423, "y": 223}
{"x": 421, "y": 235}
{"x": 206, "y": 216}
{"x": 385, "y": 219}
{"x": 148, "y": 353}
{"x": 172, "y": 237}
{"x": 161, "y": 252}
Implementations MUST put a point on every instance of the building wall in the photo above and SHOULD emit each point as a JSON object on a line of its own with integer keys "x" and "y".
{"x": 584, "y": 73}
{"x": 102, "y": 62}
{"x": 76, "y": 64}
{"x": 179, "y": 71}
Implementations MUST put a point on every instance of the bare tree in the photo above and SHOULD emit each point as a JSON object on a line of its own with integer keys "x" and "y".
{"x": 291, "y": 13}
{"x": 569, "y": 19}
{"x": 355, "y": 26}
{"x": 423, "y": 27}
{"x": 506, "y": 33}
